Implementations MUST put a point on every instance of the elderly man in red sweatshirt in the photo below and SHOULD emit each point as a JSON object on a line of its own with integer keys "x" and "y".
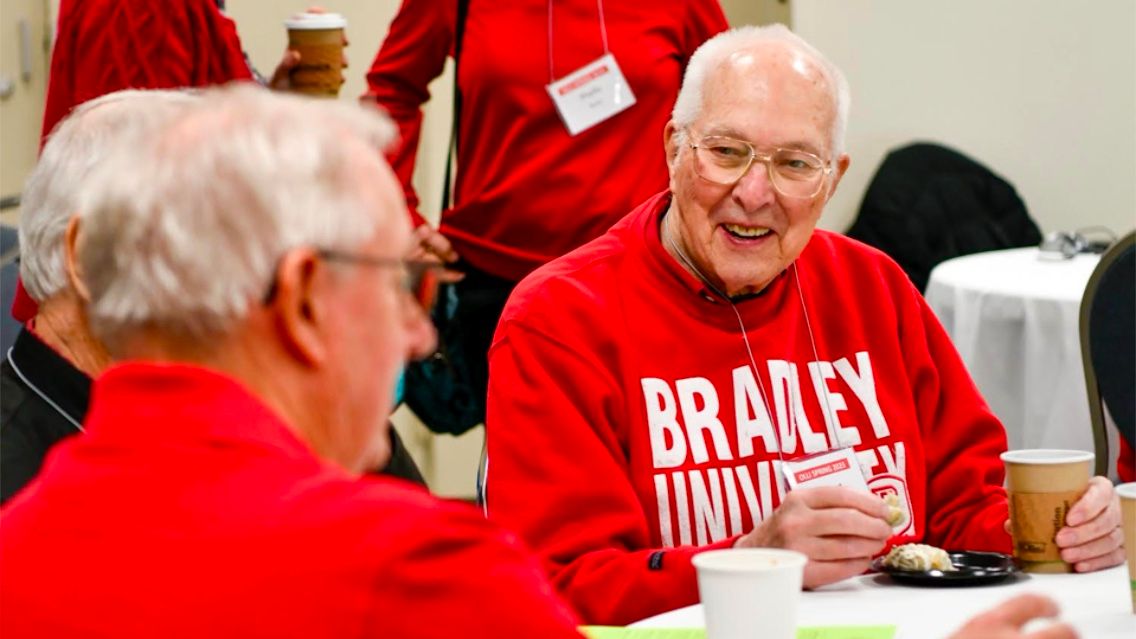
{"x": 662, "y": 390}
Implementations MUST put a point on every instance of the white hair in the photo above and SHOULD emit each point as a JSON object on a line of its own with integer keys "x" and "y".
{"x": 688, "y": 106}
{"x": 185, "y": 231}
{"x": 76, "y": 146}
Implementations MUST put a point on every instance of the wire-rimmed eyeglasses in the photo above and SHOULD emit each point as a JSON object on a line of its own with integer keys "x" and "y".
{"x": 725, "y": 160}
{"x": 419, "y": 278}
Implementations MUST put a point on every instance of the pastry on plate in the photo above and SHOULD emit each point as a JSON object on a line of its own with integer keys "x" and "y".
{"x": 918, "y": 557}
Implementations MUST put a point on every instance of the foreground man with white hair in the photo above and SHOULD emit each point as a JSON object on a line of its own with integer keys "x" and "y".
{"x": 244, "y": 261}
{"x": 46, "y": 376}
{"x": 658, "y": 392}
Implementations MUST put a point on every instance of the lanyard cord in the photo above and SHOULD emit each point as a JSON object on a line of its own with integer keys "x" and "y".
{"x": 829, "y": 428}
{"x": 603, "y": 36}
{"x": 681, "y": 254}
{"x": 42, "y": 395}
{"x": 829, "y": 417}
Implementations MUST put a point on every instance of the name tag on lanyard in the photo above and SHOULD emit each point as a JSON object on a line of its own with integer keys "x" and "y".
{"x": 831, "y": 468}
{"x": 591, "y": 94}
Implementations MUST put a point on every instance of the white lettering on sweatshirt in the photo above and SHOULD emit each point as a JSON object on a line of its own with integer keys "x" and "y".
{"x": 706, "y": 507}
{"x": 711, "y": 486}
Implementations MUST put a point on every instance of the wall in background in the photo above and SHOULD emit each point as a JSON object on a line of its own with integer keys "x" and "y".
{"x": 24, "y": 52}
{"x": 1043, "y": 92}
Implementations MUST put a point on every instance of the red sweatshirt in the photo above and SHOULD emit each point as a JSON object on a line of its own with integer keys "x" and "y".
{"x": 624, "y": 416}
{"x": 188, "y": 509}
{"x": 527, "y": 191}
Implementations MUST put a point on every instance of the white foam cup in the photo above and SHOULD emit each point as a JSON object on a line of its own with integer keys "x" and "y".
{"x": 750, "y": 592}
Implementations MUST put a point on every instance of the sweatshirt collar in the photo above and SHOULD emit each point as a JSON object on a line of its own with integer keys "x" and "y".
{"x": 165, "y": 403}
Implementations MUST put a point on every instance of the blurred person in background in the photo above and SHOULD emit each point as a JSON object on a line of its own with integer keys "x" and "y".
{"x": 534, "y": 179}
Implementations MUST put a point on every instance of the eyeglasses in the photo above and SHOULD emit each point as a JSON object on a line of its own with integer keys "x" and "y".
{"x": 419, "y": 278}
{"x": 793, "y": 173}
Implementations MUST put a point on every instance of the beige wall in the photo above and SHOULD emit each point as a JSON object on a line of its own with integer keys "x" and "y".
{"x": 1042, "y": 91}
{"x": 21, "y": 109}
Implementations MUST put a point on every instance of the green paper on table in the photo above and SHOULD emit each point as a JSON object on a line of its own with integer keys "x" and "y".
{"x": 808, "y": 632}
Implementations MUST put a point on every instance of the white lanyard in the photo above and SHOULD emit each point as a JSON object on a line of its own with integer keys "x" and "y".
{"x": 833, "y": 435}
{"x": 603, "y": 36}
{"x": 42, "y": 395}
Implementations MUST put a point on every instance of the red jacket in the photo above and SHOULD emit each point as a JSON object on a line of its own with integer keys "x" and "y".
{"x": 527, "y": 191}
{"x": 624, "y": 417}
{"x": 103, "y": 46}
{"x": 188, "y": 509}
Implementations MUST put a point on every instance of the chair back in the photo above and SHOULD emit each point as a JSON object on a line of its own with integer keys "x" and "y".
{"x": 928, "y": 203}
{"x": 1108, "y": 345}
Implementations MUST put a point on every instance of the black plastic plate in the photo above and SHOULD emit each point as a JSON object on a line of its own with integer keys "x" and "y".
{"x": 971, "y": 569}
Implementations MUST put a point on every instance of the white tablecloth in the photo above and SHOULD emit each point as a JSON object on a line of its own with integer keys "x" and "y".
{"x": 1014, "y": 316}
{"x": 1096, "y": 604}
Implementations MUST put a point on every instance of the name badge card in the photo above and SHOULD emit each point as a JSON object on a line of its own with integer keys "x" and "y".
{"x": 591, "y": 94}
{"x": 830, "y": 468}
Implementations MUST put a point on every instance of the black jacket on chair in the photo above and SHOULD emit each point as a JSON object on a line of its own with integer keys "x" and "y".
{"x": 927, "y": 204}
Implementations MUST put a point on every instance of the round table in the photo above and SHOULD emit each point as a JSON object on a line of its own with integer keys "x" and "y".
{"x": 1097, "y": 604}
{"x": 1014, "y": 316}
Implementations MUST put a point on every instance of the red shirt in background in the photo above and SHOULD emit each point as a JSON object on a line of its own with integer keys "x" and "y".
{"x": 527, "y": 191}
{"x": 102, "y": 46}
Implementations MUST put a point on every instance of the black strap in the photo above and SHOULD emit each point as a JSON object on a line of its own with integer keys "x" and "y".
{"x": 452, "y": 149}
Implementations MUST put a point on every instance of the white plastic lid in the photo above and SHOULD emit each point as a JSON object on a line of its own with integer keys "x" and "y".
{"x": 1046, "y": 456}
{"x": 316, "y": 21}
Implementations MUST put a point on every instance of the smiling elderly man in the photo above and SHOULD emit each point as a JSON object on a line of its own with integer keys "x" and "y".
{"x": 691, "y": 379}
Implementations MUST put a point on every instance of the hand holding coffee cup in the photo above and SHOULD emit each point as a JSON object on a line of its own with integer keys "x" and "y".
{"x": 1060, "y": 520}
{"x": 314, "y": 61}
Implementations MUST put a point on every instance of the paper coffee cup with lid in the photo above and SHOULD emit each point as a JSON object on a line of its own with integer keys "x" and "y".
{"x": 318, "y": 38}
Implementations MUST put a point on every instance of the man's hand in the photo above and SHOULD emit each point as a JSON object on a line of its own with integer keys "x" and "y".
{"x": 432, "y": 246}
{"x": 1092, "y": 538}
{"x": 1006, "y": 621}
{"x": 840, "y": 530}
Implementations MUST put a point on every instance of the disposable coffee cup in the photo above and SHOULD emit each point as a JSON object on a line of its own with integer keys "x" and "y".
{"x": 1127, "y": 494}
{"x": 318, "y": 37}
{"x": 750, "y": 592}
{"x": 1043, "y": 485}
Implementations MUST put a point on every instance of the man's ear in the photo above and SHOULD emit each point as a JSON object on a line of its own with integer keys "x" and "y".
{"x": 842, "y": 164}
{"x": 671, "y": 139}
{"x": 71, "y": 260}
{"x": 298, "y": 308}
